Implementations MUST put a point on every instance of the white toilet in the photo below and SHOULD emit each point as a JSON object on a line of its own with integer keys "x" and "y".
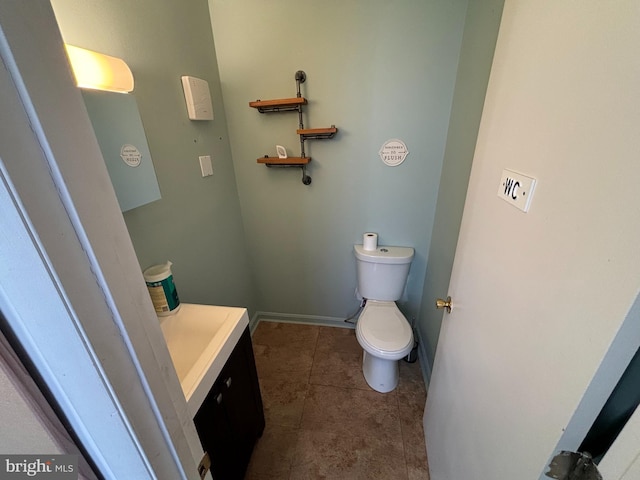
{"x": 382, "y": 331}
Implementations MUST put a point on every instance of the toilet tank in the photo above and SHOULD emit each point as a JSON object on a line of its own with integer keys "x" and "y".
{"x": 382, "y": 273}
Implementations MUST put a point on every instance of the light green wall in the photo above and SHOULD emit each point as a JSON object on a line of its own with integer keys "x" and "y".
{"x": 480, "y": 35}
{"x": 197, "y": 223}
{"x": 377, "y": 70}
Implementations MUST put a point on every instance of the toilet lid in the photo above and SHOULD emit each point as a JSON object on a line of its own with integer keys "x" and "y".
{"x": 383, "y": 327}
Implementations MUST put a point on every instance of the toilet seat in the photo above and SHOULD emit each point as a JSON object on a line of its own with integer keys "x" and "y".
{"x": 383, "y": 331}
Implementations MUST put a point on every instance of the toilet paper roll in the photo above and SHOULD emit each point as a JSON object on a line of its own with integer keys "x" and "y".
{"x": 370, "y": 241}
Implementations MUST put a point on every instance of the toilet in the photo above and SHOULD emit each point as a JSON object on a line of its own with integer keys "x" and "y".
{"x": 382, "y": 330}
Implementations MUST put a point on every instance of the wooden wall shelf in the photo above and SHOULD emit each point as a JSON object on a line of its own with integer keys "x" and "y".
{"x": 317, "y": 133}
{"x": 289, "y": 161}
{"x": 288, "y": 105}
{"x": 279, "y": 105}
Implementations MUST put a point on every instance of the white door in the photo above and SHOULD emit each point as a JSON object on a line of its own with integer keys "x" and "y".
{"x": 542, "y": 327}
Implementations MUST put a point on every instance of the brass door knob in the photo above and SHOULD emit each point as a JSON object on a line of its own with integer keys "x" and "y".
{"x": 440, "y": 303}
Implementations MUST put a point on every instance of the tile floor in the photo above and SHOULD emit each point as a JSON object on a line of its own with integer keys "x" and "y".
{"x": 322, "y": 419}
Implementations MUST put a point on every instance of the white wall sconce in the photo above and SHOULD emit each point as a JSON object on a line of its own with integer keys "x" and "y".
{"x": 97, "y": 71}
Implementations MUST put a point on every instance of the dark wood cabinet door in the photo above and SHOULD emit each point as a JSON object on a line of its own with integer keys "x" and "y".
{"x": 242, "y": 400}
{"x": 215, "y": 429}
{"x": 231, "y": 418}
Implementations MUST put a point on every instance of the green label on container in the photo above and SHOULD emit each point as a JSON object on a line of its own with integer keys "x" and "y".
{"x": 164, "y": 295}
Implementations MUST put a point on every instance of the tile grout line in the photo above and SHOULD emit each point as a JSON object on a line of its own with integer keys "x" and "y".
{"x": 304, "y": 404}
{"x": 402, "y": 435}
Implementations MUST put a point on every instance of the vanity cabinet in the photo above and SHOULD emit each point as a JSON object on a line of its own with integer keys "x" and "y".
{"x": 231, "y": 418}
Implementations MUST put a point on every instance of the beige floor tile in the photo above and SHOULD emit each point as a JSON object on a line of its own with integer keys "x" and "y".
{"x": 412, "y": 396}
{"x": 339, "y": 409}
{"x": 338, "y": 360}
{"x": 348, "y": 456}
{"x": 338, "y": 339}
{"x": 411, "y": 404}
{"x": 418, "y": 473}
{"x": 411, "y": 391}
{"x": 283, "y": 362}
{"x": 275, "y": 334}
{"x": 283, "y": 401}
{"x": 338, "y": 369}
{"x": 410, "y": 377}
{"x": 273, "y": 454}
{"x": 410, "y": 382}
{"x": 415, "y": 451}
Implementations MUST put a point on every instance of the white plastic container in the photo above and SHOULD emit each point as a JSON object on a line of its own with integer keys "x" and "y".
{"x": 161, "y": 288}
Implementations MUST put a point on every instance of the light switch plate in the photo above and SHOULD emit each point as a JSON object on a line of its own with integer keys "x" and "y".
{"x": 205, "y": 165}
{"x": 516, "y": 189}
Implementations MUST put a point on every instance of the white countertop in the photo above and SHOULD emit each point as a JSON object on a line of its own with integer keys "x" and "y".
{"x": 200, "y": 339}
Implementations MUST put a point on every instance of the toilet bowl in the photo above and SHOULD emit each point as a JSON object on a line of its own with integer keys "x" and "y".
{"x": 385, "y": 337}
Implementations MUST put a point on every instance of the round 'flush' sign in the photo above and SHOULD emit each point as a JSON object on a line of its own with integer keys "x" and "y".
{"x": 393, "y": 152}
{"x": 130, "y": 155}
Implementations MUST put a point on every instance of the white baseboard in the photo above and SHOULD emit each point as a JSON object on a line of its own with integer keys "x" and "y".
{"x": 253, "y": 323}
{"x": 298, "y": 318}
{"x": 425, "y": 365}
